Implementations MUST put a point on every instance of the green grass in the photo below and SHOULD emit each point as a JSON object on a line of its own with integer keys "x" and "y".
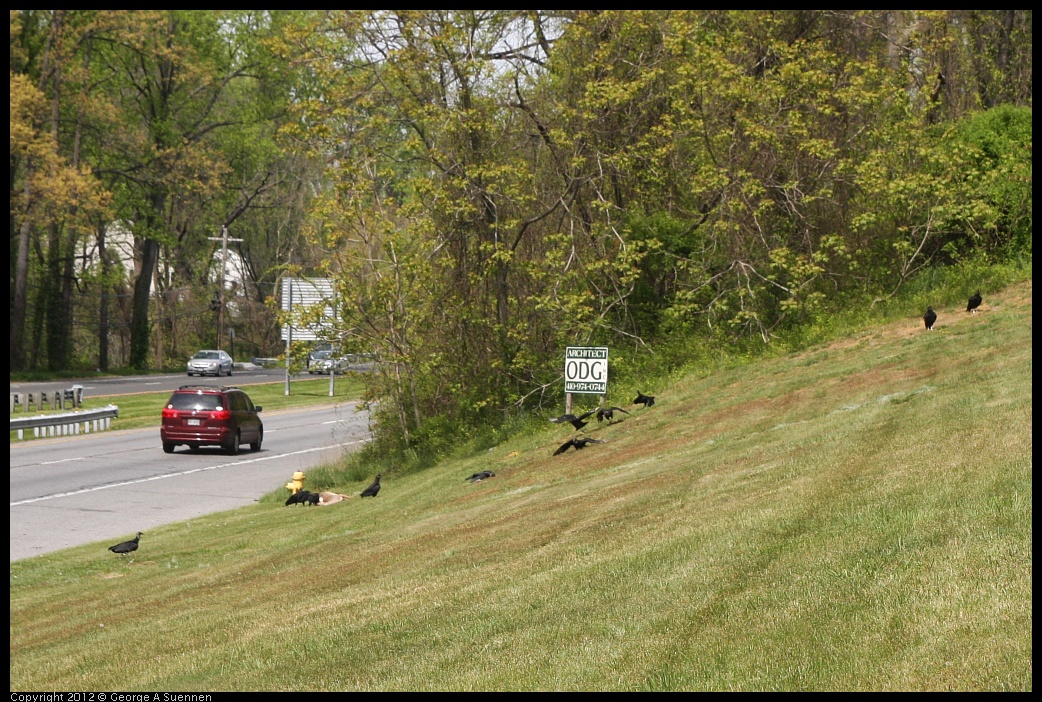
{"x": 855, "y": 516}
{"x": 142, "y": 410}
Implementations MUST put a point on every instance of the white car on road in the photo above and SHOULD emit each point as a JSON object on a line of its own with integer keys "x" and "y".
{"x": 210, "y": 362}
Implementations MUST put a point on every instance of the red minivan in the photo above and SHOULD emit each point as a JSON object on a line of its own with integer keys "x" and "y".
{"x": 205, "y": 415}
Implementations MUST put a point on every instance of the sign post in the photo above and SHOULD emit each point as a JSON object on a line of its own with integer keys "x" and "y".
{"x": 289, "y": 332}
{"x": 306, "y": 293}
{"x": 585, "y": 372}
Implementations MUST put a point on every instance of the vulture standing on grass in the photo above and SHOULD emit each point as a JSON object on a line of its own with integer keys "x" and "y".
{"x": 372, "y": 489}
{"x": 127, "y": 546}
{"x": 974, "y": 303}
{"x": 577, "y": 443}
{"x": 929, "y": 318}
{"x": 642, "y": 399}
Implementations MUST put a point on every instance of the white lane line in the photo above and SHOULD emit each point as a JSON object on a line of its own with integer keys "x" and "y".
{"x": 186, "y": 472}
{"x": 64, "y": 460}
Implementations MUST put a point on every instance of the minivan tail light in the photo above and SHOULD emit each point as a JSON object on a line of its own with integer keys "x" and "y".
{"x": 221, "y": 415}
{"x": 169, "y": 413}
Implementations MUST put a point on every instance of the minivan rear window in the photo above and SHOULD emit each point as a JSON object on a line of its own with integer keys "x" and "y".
{"x": 193, "y": 401}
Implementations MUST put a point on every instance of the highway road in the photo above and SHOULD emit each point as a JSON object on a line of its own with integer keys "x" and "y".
{"x": 109, "y": 485}
{"x": 117, "y": 385}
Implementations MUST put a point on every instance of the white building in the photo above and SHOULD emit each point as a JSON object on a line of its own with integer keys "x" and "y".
{"x": 119, "y": 242}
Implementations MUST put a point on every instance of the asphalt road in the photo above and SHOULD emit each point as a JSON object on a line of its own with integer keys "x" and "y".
{"x": 107, "y": 486}
{"x": 245, "y": 374}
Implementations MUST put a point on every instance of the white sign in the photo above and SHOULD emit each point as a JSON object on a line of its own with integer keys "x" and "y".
{"x": 586, "y": 370}
{"x": 301, "y": 293}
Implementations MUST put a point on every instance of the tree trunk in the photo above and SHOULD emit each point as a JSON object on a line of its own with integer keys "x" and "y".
{"x": 52, "y": 286}
{"x": 139, "y": 327}
{"x": 18, "y": 303}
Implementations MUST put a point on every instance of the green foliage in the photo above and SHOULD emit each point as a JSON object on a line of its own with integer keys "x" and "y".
{"x": 489, "y": 187}
{"x": 997, "y": 168}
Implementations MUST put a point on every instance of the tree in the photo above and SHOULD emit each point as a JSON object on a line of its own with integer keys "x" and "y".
{"x": 49, "y": 190}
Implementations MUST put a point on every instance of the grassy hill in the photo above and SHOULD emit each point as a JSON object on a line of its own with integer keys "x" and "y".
{"x": 853, "y": 517}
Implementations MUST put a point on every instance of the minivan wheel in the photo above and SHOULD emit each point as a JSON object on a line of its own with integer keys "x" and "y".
{"x": 168, "y": 446}
{"x": 257, "y": 444}
{"x": 233, "y": 450}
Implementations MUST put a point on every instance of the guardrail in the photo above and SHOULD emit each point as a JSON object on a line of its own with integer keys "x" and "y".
{"x": 43, "y": 399}
{"x": 67, "y": 423}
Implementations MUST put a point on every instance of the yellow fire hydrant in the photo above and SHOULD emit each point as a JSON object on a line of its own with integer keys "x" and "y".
{"x": 296, "y": 485}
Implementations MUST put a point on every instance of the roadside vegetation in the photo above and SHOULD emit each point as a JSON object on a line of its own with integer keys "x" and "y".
{"x": 478, "y": 190}
{"x": 750, "y": 209}
{"x": 854, "y": 515}
{"x": 645, "y": 368}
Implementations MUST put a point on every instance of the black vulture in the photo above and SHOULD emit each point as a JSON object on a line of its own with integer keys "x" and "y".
{"x": 974, "y": 303}
{"x": 312, "y": 498}
{"x": 302, "y": 497}
{"x": 642, "y": 399}
{"x": 483, "y": 475}
{"x": 127, "y": 546}
{"x": 929, "y": 318}
{"x": 372, "y": 489}
{"x": 609, "y": 412}
{"x": 577, "y": 443}
{"x": 576, "y": 422}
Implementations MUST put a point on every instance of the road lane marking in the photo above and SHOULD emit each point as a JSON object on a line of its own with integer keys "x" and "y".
{"x": 64, "y": 460}
{"x": 186, "y": 472}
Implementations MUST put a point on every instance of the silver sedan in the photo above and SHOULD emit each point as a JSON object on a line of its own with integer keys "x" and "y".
{"x": 210, "y": 362}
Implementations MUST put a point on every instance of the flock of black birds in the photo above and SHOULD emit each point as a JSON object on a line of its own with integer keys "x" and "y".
{"x": 930, "y": 318}
{"x": 303, "y": 497}
{"x": 306, "y": 497}
{"x": 602, "y": 414}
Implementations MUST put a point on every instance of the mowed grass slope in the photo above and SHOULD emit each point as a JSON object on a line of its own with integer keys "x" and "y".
{"x": 853, "y": 517}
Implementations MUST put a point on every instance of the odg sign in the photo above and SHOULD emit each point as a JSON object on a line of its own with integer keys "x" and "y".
{"x": 586, "y": 369}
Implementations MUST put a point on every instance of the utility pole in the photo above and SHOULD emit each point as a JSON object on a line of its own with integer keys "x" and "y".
{"x": 289, "y": 337}
{"x": 224, "y": 264}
